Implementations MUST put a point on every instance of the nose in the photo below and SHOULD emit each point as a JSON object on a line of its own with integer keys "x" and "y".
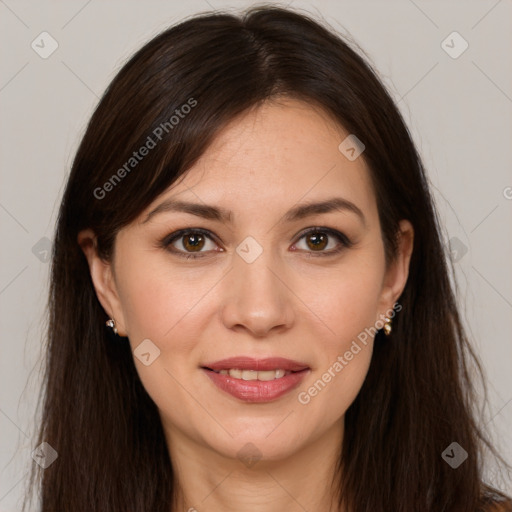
{"x": 257, "y": 298}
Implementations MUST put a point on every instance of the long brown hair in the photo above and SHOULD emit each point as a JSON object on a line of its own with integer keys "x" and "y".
{"x": 418, "y": 396}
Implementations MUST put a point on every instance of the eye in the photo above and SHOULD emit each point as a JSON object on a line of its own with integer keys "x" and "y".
{"x": 198, "y": 243}
{"x": 317, "y": 239}
{"x": 189, "y": 243}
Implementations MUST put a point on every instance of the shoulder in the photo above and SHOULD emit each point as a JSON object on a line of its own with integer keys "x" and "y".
{"x": 493, "y": 504}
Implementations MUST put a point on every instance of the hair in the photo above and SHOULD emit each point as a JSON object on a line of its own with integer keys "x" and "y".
{"x": 418, "y": 396}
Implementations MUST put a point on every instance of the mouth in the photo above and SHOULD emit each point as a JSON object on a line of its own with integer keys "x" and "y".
{"x": 262, "y": 375}
{"x": 256, "y": 380}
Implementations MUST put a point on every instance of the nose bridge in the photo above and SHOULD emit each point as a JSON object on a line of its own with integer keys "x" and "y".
{"x": 256, "y": 298}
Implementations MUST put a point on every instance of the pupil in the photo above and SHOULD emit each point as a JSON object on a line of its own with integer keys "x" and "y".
{"x": 196, "y": 241}
{"x": 318, "y": 240}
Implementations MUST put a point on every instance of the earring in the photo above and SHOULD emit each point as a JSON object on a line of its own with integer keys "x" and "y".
{"x": 387, "y": 326}
{"x": 112, "y": 324}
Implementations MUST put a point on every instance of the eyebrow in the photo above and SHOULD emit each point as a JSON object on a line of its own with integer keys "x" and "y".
{"x": 298, "y": 212}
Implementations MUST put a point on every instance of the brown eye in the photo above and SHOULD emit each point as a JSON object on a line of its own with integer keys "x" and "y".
{"x": 323, "y": 241}
{"x": 190, "y": 243}
{"x": 317, "y": 241}
{"x": 193, "y": 242}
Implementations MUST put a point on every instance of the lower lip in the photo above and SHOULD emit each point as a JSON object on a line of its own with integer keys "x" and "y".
{"x": 256, "y": 390}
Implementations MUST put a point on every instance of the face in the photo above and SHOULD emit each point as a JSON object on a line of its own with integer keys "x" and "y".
{"x": 251, "y": 273}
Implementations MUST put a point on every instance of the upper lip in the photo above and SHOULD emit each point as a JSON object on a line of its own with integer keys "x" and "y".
{"x": 250, "y": 363}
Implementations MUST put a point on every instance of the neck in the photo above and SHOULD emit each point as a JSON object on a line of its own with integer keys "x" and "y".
{"x": 207, "y": 481}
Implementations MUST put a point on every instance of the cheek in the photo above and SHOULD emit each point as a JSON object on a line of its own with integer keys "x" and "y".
{"x": 345, "y": 301}
{"x": 325, "y": 398}
{"x": 167, "y": 306}
{"x": 348, "y": 309}
{"x": 158, "y": 299}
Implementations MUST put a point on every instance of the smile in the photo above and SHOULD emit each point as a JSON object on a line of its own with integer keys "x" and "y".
{"x": 256, "y": 380}
{"x": 264, "y": 375}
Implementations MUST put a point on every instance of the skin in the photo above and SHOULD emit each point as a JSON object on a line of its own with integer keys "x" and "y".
{"x": 290, "y": 302}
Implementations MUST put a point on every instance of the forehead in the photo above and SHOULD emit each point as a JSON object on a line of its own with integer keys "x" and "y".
{"x": 274, "y": 156}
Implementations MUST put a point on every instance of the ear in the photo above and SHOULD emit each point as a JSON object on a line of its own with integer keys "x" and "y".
{"x": 103, "y": 279}
{"x": 397, "y": 272}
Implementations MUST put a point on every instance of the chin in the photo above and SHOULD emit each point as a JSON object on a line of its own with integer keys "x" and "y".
{"x": 258, "y": 446}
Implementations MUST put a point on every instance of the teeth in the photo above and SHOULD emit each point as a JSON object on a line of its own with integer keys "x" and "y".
{"x": 237, "y": 374}
{"x": 253, "y": 374}
{"x": 268, "y": 375}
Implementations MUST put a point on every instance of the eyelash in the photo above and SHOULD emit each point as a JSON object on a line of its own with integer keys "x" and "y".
{"x": 166, "y": 242}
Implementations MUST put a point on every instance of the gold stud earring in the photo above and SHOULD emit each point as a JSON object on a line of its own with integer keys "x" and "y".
{"x": 387, "y": 326}
{"x": 112, "y": 324}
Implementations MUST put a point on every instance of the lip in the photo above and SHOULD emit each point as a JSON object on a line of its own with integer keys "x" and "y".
{"x": 256, "y": 391}
{"x": 250, "y": 363}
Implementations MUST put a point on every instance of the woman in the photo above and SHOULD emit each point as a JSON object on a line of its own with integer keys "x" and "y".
{"x": 250, "y": 307}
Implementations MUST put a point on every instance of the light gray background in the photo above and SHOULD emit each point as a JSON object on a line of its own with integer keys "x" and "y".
{"x": 458, "y": 110}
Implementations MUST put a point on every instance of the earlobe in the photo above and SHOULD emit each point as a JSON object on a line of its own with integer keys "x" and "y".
{"x": 102, "y": 278}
